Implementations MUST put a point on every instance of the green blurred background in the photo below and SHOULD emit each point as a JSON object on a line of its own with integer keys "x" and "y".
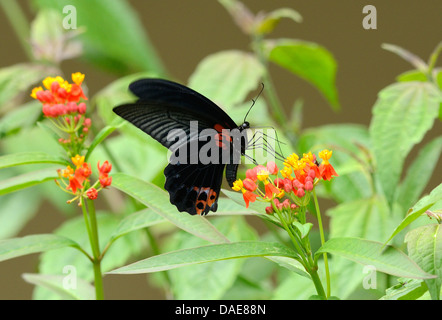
{"x": 184, "y": 32}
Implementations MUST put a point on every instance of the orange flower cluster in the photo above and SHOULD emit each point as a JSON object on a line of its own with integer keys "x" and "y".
{"x": 298, "y": 177}
{"x": 78, "y": 178}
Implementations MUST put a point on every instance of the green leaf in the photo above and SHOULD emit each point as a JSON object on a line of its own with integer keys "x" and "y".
{"x": 349, "y": 143}
{"x": 365, "y": 218}
{"x": 135, "y": 221}
{"x": 158, "y": 200}
{"x": 27, "y": 180}
{"x": 304, "y": 229}
{"x": 388, "y": 260}
{"x": 270, "y": 20}
{"x": 204, "y": 254}
{"x": 23, "y": 158}
{"x": 412, "y": 75}
{"x": 418, "y": 209}
{"x": 419, "y": 173}
{"x": 19, "y": 118}
{"x": 425, "y": 247}
{"x": 16, "y": 213}
{"x": 17, "y": 247}
{"x": 219, "y": 276}
{"x": 407, "y": 289}
{"x": 120, "y": 47}
{"x": 308, "y": 60}
{"x": 227, "y": 77}
{"x": 77, "y": 290}
{"x": 402, "y": 115}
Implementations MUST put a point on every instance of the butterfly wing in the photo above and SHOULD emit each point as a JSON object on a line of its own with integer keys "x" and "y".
{"x": 163, "y": 106}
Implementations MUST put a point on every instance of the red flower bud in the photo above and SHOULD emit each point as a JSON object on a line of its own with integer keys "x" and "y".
{"x": 92, "y": 193}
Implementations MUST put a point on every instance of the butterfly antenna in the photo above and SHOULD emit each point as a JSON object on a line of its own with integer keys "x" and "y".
{"x": 254, "y": 101}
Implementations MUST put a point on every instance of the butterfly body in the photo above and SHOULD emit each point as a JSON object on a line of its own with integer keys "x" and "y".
{"x": 203, "y": 139}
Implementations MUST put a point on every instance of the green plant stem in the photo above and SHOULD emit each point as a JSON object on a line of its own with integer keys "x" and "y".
{"x": 19, "y": 23}
{"x": 307, "y": 262}
{"x": 92, "y": 229}
{"x": 433, "y": 58}
{"x": 321, "y": 233}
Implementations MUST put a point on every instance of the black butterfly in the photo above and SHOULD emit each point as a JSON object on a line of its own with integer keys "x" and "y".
{"x": 163, "y": 106}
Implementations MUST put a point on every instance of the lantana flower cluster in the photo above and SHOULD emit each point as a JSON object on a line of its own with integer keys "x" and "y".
{"x": 63, "y": 105}
{"x": 289, "y": 188}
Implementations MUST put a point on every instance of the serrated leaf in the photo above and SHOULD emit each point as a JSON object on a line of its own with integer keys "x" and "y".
{"x": 17, "y": 247}
{"x": 402, "y": 115}
{"x": 348, "y": 142}
{"x": 385, "y": 259}
{"x": 204, "y": 254}
{"x": 158, "y": 200}
{"x": 425, "y": 248}
{"x": 419, "y": 173}
{"x": 308, "y": 60}
{"x": 227, "y": 77}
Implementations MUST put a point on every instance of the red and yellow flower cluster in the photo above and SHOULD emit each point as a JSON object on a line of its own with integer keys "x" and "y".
{"x": 78, "y": 178}
{"x": 61, "y": 98}
{"x": 61, "y": 104}
{"x": 298, "y": 177}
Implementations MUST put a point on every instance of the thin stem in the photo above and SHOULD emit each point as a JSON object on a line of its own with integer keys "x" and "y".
{"x": 91, "y": 226}
{"x": 96, "y": 250}
{"x": 321, "y": 233}
{"x": 433, "y": 57}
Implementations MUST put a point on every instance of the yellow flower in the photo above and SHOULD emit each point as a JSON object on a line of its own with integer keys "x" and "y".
{"x": 286, "y": 172}
{"x": 78, "y": 78}
{"x": 325, "y": 155}
{"x": 262, "y": 175}
{"x": 78, "y": 160}
{"x": 237, "y": 185}
{"x": 67, "y": 172}
{"x": 291, "y": 160}
{"x": 34, "y": 92}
